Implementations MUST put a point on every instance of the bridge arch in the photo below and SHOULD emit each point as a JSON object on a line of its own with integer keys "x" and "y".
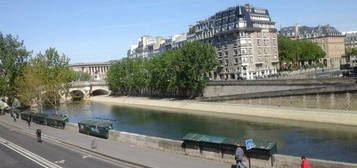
{"x": 99, "y": 92}
{"x": 89, "y": 88}
{"x": 77, "y": 94}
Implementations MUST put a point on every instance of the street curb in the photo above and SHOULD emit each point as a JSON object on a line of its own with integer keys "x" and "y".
{"x": 58, "y": 141}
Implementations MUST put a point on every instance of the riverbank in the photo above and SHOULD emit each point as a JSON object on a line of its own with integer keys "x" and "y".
{"x": 339, "y": 117}
{"x": 151, "y": 151}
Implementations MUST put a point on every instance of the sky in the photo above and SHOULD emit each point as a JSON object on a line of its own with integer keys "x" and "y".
{"x": 102, "y": 30}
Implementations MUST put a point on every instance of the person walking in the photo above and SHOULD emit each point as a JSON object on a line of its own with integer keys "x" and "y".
{"x": 239, "y": 156}
{"x": 93, "y": 144}
{"x": 13, "y": 116}
{"x": 304, "y": 162}
{"x": 38, "y": 134}
{"x": 29, "y": 122}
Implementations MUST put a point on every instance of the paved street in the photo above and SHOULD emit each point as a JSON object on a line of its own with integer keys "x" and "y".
{"x": 125, "y": 152}
{"x": 19, "y": 150}
{"x": 10, "y": 158}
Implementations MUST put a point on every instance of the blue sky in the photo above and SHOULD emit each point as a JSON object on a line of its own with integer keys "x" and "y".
{"x": 102, "y": 30}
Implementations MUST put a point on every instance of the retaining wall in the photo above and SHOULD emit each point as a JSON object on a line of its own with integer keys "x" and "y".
{"x": 168, "y": 145}
{"x": 301, "y": 82}
{"x": 147, "y": 141}
{"x": 246, "y": 87}
{"x": 72, "y": 127}
{"x": 277, "y": 161}
{"x": 290, "y": 92}
{"x": 283, "y": 161}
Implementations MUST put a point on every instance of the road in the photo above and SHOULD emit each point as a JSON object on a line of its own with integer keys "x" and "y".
{"x": 20, "y": 151}
{"x": 9, "y": 158}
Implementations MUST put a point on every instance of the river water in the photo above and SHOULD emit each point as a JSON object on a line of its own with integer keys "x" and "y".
{"x": 319, "y": 141}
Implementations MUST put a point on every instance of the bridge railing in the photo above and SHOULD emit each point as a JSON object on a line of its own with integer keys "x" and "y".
{"x": 88, "y": 83}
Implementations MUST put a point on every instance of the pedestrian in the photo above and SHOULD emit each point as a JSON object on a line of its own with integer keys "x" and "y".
{"x": 29, "y": 122}
{"x": 93, "y": 144}
{"x": 38, "y": 134}
{"x": 239, "y": 156}
{"x": 304, "y": 162}
{"x": 13, "y": 116}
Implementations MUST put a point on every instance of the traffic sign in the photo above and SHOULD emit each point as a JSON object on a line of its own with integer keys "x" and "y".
{"x": 249, "y": 144}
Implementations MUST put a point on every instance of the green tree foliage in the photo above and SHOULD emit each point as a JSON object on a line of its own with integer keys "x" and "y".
{"x": 13, "y": 59}
{"x": 45, "y": 78}
{"x": 191, "y": 65}
{"x": 351, "y": 52}
{"x": 180, "y": 72}
{"x": 298, "y": 50}
{"x": 80, "y": 76}
{"x": 128, "y": 76}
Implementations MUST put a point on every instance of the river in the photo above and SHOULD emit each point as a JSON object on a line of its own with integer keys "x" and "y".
{"x": 321, "y": 141}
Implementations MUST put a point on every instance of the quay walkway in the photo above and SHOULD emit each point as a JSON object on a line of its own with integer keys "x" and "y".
{"x": 139, "y": 155}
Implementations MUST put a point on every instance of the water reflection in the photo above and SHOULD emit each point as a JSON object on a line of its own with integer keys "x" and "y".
{"x": 293, "y": 138}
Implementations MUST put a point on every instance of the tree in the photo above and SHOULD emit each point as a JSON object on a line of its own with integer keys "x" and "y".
{"x": 181, "y": 72}
{"x": 298, "y": 51}
{"x": 191, "y": 65}
{"x": 13, "y": 59}
{"x": 46, "y": 78}
{"x": 351, "y": 52}
{"x": 162, "y": 72}
{"x": 128, "y": 76}
{"x": 81, "y": 76}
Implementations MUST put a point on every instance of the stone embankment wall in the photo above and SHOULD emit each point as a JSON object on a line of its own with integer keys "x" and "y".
{"x": 284, "y": 161}
{"x": 168, "y": 145}
{"x": 231, "y": 90}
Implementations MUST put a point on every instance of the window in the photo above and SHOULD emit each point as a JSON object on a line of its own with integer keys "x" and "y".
{"x": 243, "y": 51}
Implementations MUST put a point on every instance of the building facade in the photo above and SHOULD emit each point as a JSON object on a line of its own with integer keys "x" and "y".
{"x": 245, "y": 40}
{"x": 147, "y": 46}
{"x": 98, "y": 71}
{"x": 327, "y": 37}
{"x": 174, "y": 42}
{"x": 351, "y": 39}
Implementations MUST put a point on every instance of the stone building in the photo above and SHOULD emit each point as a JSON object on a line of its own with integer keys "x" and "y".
{"x": 327, "y": 37}
{"x": 174, "y": 42}
{"x": 351, "y": 39}
{"x": 98, "y": 71}
{"x": 146, "y": 47}
{"x": 245, "y": 40}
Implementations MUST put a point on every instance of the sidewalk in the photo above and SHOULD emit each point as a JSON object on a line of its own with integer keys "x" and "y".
{"x": 143, "y": 156}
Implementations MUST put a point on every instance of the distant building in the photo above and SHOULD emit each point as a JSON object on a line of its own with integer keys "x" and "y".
{"x": 327, "y": 37}
{"x": 174, "y": 42}
{"x": 148, "y": 46}
{"x": 98, "y": 71}
{"x": 245, "y": 40}
{"x": 351, "y": 39}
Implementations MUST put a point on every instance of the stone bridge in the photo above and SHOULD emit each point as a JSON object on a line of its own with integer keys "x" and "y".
{"x": 85, "y": 89}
